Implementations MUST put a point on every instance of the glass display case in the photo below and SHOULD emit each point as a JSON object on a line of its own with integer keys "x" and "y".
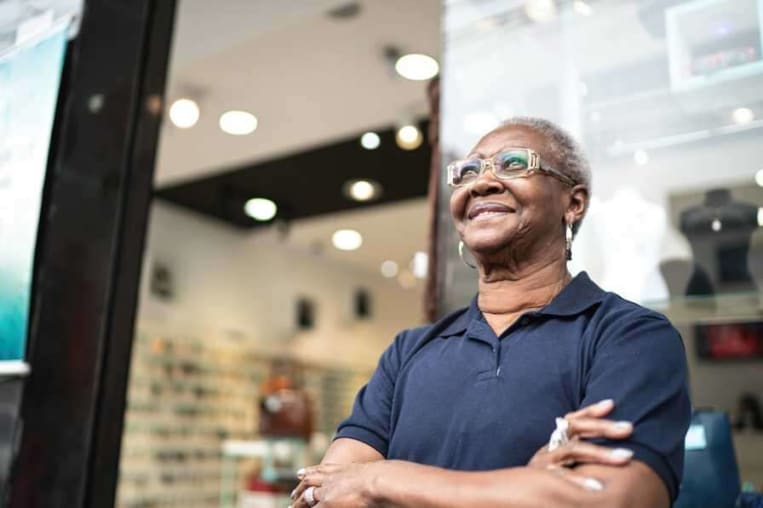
{"x": 666, "y": 99}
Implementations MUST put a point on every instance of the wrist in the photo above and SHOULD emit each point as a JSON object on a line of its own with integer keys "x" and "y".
{"x": 373, "y": 490}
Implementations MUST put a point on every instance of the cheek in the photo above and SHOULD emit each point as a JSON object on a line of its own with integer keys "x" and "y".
{"x": 458, "y": 205}
{"x": 538, "y": 195}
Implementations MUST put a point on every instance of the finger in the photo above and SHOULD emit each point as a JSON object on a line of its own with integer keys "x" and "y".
{"x": 588, "y": 483}
{"x": 301, "y": 501}
{"x": 597, "y": 410}
{"x": 296, "y": 494}
{"x": 593, "y": 427}
{"x": 312, "y": 478}
{"x": 587, "y": 453}
{"x": 318, "y": 495}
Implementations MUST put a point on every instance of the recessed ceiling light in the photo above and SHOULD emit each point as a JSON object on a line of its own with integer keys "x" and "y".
{"x": 184, "y": 113}
{"x": 370, "y": 141}
{"x": 238, "y": 123}
{"x": 582, "y": 8}
{"x": 347, "y": 239}
{"x": 417, "y": 66}
{"x": 420, "y": 265}
{"x": 759, "y": 177}
{"x": 760, "y": 217}
{"x": 362, "y": 190}
{"x": 716, "y": 225}
{"x": 641, "y": 157}
{"x": 409, "y": 137}
{"x": 260, "y": 209}
{"x": 389, "y": 269}
{"x": 742, "y": 116}
{"x": 540, "y": 10}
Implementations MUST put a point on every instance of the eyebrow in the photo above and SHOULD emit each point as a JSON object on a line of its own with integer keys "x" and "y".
{"x": 503, "y": 148}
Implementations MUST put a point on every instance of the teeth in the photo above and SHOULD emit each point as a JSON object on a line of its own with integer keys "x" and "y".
{"x": 488, "y": 214}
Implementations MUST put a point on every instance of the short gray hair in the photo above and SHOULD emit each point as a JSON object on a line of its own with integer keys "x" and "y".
{"x": 566, "y": 153}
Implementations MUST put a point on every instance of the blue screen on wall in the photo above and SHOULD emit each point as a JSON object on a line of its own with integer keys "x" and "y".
{"x": 30, "y": 76}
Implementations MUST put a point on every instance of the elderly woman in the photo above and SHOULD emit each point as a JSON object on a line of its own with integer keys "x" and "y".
{"x": 455, "y": 412}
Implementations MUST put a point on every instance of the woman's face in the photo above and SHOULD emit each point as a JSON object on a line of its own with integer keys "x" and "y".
{"x": 523, "y": 214}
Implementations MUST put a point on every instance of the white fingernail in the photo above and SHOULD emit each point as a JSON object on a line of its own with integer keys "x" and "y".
{"x": 605, "y": 402}
{"x": 301, "y": 473}
{"x": 621, "y": 453}
{"x": 593, "y": 484}
{"x": 623, "y": 425}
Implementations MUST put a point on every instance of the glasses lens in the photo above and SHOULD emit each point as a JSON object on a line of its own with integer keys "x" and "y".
{"x": 509, "y": 164}
{"x": 463, "y": 172}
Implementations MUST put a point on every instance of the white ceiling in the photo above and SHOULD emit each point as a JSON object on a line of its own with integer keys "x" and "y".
{"x": 390, "y": 232}
{"x": 310, "y": 79}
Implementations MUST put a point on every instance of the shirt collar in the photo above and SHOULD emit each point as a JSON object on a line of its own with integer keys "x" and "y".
{"x": 577, "y": 297}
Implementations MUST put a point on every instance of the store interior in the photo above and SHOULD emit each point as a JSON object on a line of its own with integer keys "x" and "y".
{"x": 233, "y": 308}
{"x": 226, "y": 299}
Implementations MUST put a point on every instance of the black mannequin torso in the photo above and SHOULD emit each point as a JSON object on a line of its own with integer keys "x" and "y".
{"x": 719, "y": 232}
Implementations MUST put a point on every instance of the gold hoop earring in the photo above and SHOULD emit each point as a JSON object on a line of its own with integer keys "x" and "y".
{"x": 461, "y": 255}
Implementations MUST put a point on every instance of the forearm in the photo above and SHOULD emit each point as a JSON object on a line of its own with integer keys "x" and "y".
{"x": 405, "y": 484}
{"x": 348, "y": 451}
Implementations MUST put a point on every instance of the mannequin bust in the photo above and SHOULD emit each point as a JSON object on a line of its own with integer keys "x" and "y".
{"x": 719, "y": 232}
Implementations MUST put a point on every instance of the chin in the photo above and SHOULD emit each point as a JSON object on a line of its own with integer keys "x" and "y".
{"x": 481, "y": 244}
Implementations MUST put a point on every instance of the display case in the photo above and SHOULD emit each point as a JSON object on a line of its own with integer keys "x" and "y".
{"x": 714, "y": 40}
{"x": 666, "y": 99}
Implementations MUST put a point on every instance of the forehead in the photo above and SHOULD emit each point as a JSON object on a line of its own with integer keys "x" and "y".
{"x": 509, "y": 137}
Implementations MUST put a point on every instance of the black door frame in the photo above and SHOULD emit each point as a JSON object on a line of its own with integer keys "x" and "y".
{"x": 89, "y": 256}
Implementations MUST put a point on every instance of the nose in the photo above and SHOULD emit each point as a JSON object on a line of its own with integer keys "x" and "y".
{"x": 485, "y": 184}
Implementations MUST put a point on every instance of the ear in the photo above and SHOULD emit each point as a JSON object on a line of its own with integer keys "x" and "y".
{"x": 578, "y": 204}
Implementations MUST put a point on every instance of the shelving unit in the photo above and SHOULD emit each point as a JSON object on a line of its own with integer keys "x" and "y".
{"x": 186, "y": 397}
{"x": 708, "y": 309}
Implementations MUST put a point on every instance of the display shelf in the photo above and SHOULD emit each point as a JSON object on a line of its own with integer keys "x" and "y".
{"x": 723, "y": 307}
{"x": 186, "y": 397}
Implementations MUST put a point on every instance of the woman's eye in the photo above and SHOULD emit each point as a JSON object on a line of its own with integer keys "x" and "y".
{"x": 514, "y": 164}
{"x": 469, "y": 171}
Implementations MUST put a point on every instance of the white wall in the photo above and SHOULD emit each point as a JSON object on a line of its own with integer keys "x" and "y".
{"x": 246, "y": 284}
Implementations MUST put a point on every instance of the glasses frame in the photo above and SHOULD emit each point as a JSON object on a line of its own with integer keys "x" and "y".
{"x": 534, "y": 165}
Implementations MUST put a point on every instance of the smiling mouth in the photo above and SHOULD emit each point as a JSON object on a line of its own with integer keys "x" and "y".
{"x": 488, "y": 211}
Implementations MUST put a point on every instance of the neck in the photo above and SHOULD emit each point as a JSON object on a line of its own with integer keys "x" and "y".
{"x": 513, "y": 290}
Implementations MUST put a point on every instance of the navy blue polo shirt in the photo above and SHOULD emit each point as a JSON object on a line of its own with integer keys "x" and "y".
{"x": 455, "y": 395}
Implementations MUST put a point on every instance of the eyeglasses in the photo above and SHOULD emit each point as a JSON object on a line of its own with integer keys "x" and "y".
{"x": 507, "y": 165}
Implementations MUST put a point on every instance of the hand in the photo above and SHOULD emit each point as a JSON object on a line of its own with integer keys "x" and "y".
{"x": 586, "y": 423}
{"x": 337, "y": 485}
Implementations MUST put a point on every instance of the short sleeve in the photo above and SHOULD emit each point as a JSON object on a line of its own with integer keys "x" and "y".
{"x": 369, "y": 421}
{"x": 639, "y": 361}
